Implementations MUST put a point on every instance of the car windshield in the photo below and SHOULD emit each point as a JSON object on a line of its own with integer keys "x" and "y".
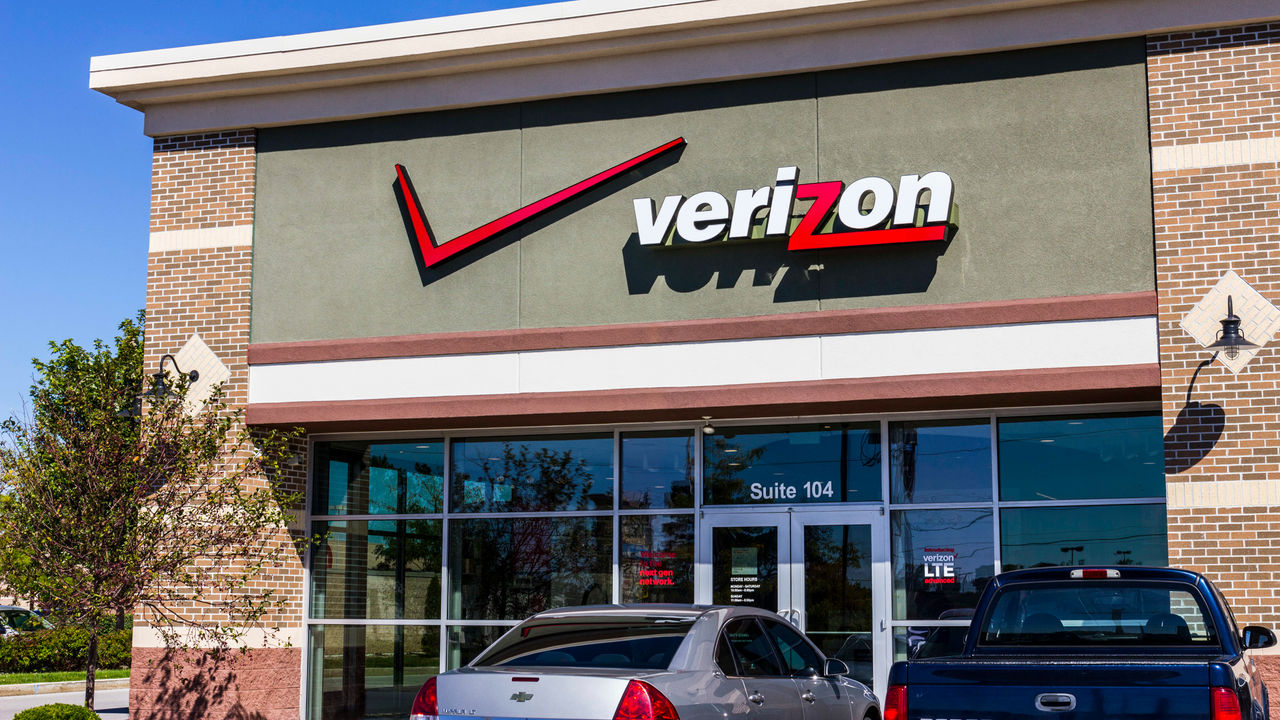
{"x": 605, "y": 641}
{"x": 22, "y": 619}
{"x": 1098, "y": 614}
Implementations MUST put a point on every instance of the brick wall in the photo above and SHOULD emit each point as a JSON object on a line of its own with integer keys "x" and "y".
{"x": 1216, "y": 188}
{"x": 198, "y": 282}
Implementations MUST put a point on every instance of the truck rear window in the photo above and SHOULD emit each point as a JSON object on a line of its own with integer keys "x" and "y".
{"x": 585, "y": 641}
{"x": 1082, "y": 613}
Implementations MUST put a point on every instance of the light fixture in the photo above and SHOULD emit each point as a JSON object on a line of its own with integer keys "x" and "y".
{"x": 707, "y": 427}
{"x": 1230, "y": 341}
{"x": 159, "y": 387}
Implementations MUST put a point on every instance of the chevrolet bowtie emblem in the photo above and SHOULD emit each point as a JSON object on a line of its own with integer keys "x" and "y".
{"x": 522, "y": 696}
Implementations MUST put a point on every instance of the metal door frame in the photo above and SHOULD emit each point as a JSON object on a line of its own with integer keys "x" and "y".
{"x": 790, "y": 523}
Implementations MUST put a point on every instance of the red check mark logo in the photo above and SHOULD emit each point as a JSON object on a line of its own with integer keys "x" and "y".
{"x": 434, "y": 253}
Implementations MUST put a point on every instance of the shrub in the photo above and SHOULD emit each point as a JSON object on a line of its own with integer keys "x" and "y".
{"x": 57, "y": 711}
{"x": 65, "y": 648}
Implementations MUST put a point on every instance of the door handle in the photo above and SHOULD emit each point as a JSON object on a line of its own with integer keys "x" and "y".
{"x": 809, "y": 697}
{"x": 756, "y": 698}
{"x": 1055, "y": 702}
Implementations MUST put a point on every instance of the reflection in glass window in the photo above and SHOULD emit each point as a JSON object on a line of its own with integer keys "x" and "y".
{"x": 1093, "y": 535}
{"x": 837, "y": 594}
{"x": 360, "y": 671}
{"x": 792, "y": 464}
{"x": 361, "y": 478}
{"x": 941, "y": 561}
{"x": 657, "y": 558}
{"x": 937, "y": 462}
{"x": 657, "y": 470}
{"x": 544, "y": 473}
{"x": 1081, "y": 456}
{"x": 511, "y": 568}
{"x": 466, "y": 642}
{"x": 376, "y": 569}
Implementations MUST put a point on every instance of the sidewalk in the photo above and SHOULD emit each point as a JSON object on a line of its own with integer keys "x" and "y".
{"x": 61, "y": 687}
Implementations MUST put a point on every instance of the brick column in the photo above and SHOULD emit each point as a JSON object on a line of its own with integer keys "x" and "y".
{"x": 198, "y": 281}
{"x": 1215, "y": 138}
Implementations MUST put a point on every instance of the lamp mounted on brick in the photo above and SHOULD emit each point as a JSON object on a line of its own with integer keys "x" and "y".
{"x": 1235, "y": 339}
{"x": 1230, "y": 341}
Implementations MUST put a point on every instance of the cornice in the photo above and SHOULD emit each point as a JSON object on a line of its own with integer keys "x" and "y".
{"x": 595, "y": 46}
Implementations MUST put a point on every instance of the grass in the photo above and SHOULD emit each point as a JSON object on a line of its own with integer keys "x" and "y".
{"x": 22, "y": 678}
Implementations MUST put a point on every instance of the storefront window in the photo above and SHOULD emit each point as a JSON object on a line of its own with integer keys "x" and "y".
{"x": 546, "y": 473}
{"x": 792, "y": 464}
{"x": 941, "y": 561}
{"x": 363, "y": 671}
{"x": 657, "y": 470}
{"x": 940, "y": 462}
{"x": 511, "y": 568}
{"x": 1092, "y": 535}
{"x": 466, "y": 642}
{"x": 360, "y": 478}
{"x": 657, "y": 558}
{"x": 376, "y": 569}
{"x": 1080, "y": 457}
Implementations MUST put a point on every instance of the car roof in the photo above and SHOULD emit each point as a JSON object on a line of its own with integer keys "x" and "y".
{"x": 15, "y": 607}
{"x": 643, "y": 609}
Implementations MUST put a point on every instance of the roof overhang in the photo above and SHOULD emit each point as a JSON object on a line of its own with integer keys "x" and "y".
{"x": 595, "y": 46}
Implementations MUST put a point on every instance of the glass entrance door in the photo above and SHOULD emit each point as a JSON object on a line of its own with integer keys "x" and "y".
{"x": 826, "y": 571}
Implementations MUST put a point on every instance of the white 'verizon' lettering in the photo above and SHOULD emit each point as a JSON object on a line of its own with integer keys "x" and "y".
{"x": 703, "y": 216}
{"x": 652, "y": 227}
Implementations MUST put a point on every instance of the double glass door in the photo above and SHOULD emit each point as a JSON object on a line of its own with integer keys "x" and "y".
{"x": 826, "y": 571}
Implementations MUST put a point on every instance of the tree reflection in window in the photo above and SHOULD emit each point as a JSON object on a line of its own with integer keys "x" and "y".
{"x": 536, "y": 474}
{"x": 510, "y": 568}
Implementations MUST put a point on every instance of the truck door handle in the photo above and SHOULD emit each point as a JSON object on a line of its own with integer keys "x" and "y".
{"x": 1055, "y": 702}
{"x": 756, "y": 698}
{"x": 809, "y": 697}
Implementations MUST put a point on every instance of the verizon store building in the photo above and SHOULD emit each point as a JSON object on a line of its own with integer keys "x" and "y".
{"x": 834, "y": 307}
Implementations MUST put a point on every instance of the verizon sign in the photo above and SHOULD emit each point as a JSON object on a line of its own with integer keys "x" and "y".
{"x": 873, "y": 210}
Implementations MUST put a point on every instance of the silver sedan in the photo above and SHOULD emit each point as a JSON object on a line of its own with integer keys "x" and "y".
{"x": 649, "y": 662}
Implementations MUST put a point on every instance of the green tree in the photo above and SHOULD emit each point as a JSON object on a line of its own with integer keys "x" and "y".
{"x": 169, "y": 511}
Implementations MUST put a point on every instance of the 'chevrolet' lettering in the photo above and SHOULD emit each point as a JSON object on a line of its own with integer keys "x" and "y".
{"x": 871, "y": 208}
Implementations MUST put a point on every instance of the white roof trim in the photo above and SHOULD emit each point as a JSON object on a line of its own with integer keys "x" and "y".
{"x": 591, "y": 46}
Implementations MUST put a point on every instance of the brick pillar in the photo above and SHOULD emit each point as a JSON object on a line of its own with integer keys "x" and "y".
{"x": 198, "y": 283}
{"x": 1215, "y": 138}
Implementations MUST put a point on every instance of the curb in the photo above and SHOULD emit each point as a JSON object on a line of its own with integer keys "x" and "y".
{"x": 46, "y": 688}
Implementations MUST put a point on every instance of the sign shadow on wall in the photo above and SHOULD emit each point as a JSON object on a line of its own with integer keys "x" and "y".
{"x": 868, "y": 271}
{"x": 429, "y": 275}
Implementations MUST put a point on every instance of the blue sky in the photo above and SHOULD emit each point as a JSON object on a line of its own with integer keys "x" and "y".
{"x": 75, "y": 166}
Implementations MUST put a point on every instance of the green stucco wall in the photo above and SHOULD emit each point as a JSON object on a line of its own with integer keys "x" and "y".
{"x": 1048, "y": 150}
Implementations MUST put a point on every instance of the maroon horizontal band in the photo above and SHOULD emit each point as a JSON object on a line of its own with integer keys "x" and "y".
{"x": 952, "y": 391}
{"x": 827, "y": 322}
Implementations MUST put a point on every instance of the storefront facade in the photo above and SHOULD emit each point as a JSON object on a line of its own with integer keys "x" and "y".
{"x": 779, "y": 308}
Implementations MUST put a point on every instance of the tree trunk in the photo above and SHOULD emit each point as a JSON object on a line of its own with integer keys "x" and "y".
{"x": 119, "y": 618}
{"x": 92, "y": 667}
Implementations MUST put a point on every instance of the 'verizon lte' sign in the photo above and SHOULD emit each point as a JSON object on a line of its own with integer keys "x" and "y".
{"x": 871, "y": 211}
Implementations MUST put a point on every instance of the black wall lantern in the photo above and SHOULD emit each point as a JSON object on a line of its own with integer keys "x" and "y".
{"x": 1230, "y": 341}
{"x": 159, "y": 387}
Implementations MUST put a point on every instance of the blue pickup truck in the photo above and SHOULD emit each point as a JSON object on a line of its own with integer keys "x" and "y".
{"x": 1105, "y": 642}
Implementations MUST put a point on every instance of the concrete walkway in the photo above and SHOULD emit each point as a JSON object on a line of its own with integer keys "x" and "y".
{"x": 64, "y": 686}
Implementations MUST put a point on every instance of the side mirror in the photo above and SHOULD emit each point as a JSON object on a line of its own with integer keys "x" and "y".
{"x": 836, "y": 667}
{"x": 1255, "y": 637}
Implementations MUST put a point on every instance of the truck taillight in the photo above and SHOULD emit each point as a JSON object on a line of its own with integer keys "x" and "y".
{"x": 1226, "y": 706}
{"x": 424, "y": 705}
{"x": 642, "y": 701}
{"x": 895, "y": 703}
